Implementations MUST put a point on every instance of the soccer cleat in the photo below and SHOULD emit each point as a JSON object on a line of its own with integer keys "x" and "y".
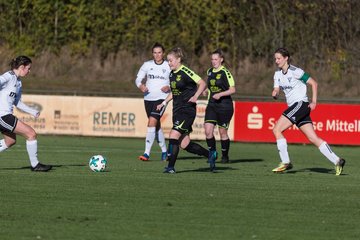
{"x": 144, "y": 157}
{"x": 41, "y": 168}
{"x": 282, "y": 167}
{"x": 212, "y": 159}
{"x": 164, "y": 156}
{"x": 170, "y": 170}
{"x": 339, "y": 167}
{"x": 225, "y": 159}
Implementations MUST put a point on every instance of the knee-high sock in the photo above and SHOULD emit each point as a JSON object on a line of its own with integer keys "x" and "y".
{"x": 225, "y": 146}
{"x": 197, "y": 149}
{"x": 174, "y": 150}
{"x": 150, "y": 137}
{"x": 211, "y": 143}
{"x": 3, "y": 146}
{"x": 31, "y": 147}
{"x": 328, "y": 153}
{"x": 161, "y": 140}
{"x": 282, "y": 147}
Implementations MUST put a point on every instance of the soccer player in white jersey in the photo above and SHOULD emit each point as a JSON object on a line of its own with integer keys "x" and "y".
{"x": 10, "y": 126}
{"x": 293, "y": 82}
{"x": 153, "y": 80}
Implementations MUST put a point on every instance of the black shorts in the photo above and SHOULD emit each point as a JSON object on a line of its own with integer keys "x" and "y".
{"x": 183, "y": 120}
{"x": 150, "y": 108}
{"x": 8, "y": 123}
{"x": 220, "y": 116}
{"x": 298, "y": 113}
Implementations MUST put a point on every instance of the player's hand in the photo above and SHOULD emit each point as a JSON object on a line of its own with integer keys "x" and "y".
{"x": 216, "y": 96}
{"x": 193, "y": 99}
{"x": 160, "y": 106}
{"x": 275, "y": 95}
{"x": 143, "y": 88}
{"x": 205, "y": 92}
{"x": 165, "y": 89}
{"x": 312, "y": 106}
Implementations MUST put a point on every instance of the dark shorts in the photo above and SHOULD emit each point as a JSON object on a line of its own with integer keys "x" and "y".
{"x": 8, "y": 123}
{"x": 183, "y": 120}
{"x": 298, "y": 113}
{"x": 150, "y": 108}
{"x": 219, "y": 116}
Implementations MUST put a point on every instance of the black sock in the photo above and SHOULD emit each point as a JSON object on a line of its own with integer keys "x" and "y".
{"x": 197, "y": 149}
{"x": 225, "y": 146}
{"x": 173, "y": 150}
{"x": 211, "y": 144}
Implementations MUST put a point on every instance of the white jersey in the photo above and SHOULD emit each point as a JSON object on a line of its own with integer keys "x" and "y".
{"x": 157, "y": 76}
{"x": 293, "y": 84}
{"x": 10, "y": 95}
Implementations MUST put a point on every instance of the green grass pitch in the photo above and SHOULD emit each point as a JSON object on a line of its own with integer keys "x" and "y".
{"x": 135, "y": 200}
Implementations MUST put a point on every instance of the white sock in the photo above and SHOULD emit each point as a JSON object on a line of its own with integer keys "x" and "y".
{"x": 3, "y": 146}
{"x": 282, "y": 147}
{"x": 150, "y": 137}
{"x": 328, "y": 153}
{"x": 31, "y": 147}
{"x": 161, "y": 140}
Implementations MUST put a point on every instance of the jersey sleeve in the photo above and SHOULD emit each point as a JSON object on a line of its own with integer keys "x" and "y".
{"x": 230, "y": 78}
{"x": 196, "y": 78}
{"x": 141, "y": 74}
{"x": 301, "y": 75}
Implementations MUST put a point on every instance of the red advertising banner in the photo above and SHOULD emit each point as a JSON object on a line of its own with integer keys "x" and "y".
{"x": 335, "y": 123}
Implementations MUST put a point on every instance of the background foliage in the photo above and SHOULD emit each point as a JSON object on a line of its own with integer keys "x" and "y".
{"x": 78, "y": 41}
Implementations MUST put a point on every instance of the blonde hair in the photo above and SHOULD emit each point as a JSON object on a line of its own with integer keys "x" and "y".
{"x": 177, "y": 52}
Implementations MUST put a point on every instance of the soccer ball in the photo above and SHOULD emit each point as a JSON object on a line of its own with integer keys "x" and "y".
{"x": 97, "y": 163}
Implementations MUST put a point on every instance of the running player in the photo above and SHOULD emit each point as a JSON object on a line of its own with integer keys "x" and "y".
{"x": 186, "y": 87}
{"x": 219, "y": 110}
{"x": 10, "y": 126}
{"x": 293, "y": 81}
{"x": 155, "y": 88}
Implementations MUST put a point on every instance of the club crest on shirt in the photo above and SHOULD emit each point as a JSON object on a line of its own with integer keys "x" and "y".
{"x": 164, "y": 70}
{"x": 178, "y": 77}
{"x": 289, "y": 79}
{"x": 218, "y": 76}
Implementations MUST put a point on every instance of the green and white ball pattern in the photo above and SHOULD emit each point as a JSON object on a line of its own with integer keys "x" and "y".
{"x": 97, "y": 163}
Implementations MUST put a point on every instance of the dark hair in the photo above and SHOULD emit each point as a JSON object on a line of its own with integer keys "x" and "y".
{"x": 284, "y": 52}
{"x": 20, "y": 60}
{"x": 158, "y": 45}
{"x": 177, "y": 52}
{"x": 220, "y": 53}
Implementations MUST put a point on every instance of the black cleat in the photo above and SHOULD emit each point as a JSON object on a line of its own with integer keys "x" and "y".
{"x": 225, "y": 159}
{"x": 41, "y": 168}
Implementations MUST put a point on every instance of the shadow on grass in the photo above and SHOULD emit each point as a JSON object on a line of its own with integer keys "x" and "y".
{"x": 317, "y": 170}
{"x": 206, "y": 169}
{"x": 56, "y": 166}
{"x": 249, "y": 160}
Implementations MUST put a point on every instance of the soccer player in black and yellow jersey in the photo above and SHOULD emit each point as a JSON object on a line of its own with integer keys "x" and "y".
{"x": 186, "y": 86}
{"x": 219, "y": 110}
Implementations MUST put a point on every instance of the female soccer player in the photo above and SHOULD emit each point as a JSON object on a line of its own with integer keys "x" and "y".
{"x": 186, "y": 87}
{"x": 293, "y": 81}
{"x": 219, "y": 110}
{"x": 10, "y": 126}
{"x": 155, "y": 89}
